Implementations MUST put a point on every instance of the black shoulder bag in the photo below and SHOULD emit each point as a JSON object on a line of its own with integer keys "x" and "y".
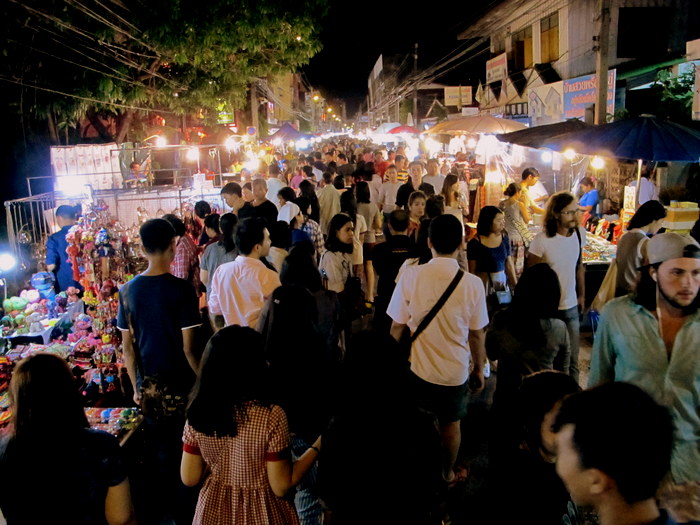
{"x": 407, "y": 341}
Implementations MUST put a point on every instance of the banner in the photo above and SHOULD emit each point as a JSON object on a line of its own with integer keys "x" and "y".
{"x": 580, "y": 93}
{"x": 458, "y": 96}
{"x": 544, "y": 104}
{"x": 497, "y": 68}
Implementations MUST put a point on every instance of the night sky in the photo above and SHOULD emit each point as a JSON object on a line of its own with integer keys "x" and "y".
{"x": 354, "y": 34}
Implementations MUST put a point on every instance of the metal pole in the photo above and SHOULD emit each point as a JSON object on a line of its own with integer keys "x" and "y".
{"x": 415, "y": 86}
{"x": 601, "y": 68}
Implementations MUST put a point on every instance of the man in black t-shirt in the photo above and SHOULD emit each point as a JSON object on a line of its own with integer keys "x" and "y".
{"x": 262, "y": 207}
{"x": 387, "y": 259}
{"x": 415, "y": 171}
{"x": 158, "y": 316}
{"x": 232, "y": 193}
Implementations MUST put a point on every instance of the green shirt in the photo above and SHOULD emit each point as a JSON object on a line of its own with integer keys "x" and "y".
{"x": 628, "y": 347}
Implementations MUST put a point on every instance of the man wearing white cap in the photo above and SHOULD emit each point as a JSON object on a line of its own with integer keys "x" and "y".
{"x": 652, "y": 339}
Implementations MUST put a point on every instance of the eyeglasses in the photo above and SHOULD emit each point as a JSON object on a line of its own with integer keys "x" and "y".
{"x": 569, "y": 212}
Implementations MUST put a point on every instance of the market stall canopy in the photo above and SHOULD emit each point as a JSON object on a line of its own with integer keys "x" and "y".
{"x": 386, "y": 127}
{"x": 539, "y": 135}
{"x": 404, "y": 129}
{"x": 287, "y": 132}
{"x": 476, "y": 124}
{"x": 641, "y": 138}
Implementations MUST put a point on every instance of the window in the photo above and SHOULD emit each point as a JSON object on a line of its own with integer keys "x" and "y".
{"x": 522, "y": 49}
{"x": 549, "y": 38}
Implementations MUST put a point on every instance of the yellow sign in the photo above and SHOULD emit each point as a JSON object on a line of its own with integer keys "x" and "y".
{"x": 458, "y": 96}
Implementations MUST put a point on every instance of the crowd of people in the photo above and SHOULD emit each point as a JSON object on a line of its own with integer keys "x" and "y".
{"x": 347, "y": 325}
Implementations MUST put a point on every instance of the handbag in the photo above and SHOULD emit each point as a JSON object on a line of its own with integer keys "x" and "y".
{"x": 497, "y": 299}
{"x": 352, "y": 298}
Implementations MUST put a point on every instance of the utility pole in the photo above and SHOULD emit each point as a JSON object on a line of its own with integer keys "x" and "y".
{"x": 601, "y": 64}
{"x": 254, "y": 105}
{"x": 415, "y": 86}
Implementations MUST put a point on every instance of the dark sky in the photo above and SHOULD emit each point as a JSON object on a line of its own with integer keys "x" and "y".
{"x": 355, "y": 33}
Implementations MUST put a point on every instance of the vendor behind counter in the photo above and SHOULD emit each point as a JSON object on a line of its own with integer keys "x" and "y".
{"x": 57, "y": 260}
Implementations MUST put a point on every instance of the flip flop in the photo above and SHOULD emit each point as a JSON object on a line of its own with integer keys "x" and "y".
{"x": 461, "y": 474}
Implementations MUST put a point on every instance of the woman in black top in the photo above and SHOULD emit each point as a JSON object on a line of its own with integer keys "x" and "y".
{"x": 50, "y": 447}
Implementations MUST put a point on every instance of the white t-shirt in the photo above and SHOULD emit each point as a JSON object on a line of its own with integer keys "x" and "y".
{"x": 436, "y": 181}
{"x": 441, "y": 353}
{"x": 274, "y": 185}
{"x": 387, "y": 196}
{"x": 562, "y": 255}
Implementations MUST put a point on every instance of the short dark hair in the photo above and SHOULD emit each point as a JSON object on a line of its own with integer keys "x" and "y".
{"x": 280, "y": 235}
{"x": 67, "y": 212}
{"x": 485, "y": 221}
{"x": 212, "y": 221}
{"x": 274, "y": 169}
{"x": 445, "y": 234}
{"x": 287, "y": 194}
{"x": 250, "y": 232}
{"x": 537, "y": 395}
{"x": 156, "y": 235}
{"x": 177, "y": 223}
{"x": 616, "y": 425}
{"x": 308, "y": 170}
{"x": 556, "y": 203}
{"x": 647, "y": 213}
{"x": 339, "y": 182}
{"x": 399, "y": 158}
{"x": 327, "y": 177}
{"x": 342, "y": 156}
{"x": 202, "y": 209}
{"x": 530, "y": 171}
{"x": 232, "y": 188}
{"x": 587, "y": 181}
{"x": 416, "y": 195}
{"x": 398, "y": 220}
{"x": 247, "y": 186}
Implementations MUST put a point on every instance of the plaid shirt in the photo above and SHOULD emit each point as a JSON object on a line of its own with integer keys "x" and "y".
{"x": 186, "y": 264}
{"x": 312, "y": 228}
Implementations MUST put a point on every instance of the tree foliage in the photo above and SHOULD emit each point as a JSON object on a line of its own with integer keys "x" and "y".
{"x": 70, "y": 58}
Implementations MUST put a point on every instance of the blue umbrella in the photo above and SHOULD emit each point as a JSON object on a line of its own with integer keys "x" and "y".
{"x": 641, "y": 138}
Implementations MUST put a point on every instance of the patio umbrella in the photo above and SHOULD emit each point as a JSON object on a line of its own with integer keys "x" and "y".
{"x": 287, "y": 132}
{"x": 476, "y": 124}
{"x": 535, "y": 137}
{"x": 644, "y": 138}
{"x": 404, "y": 129}
{"x": 384, "y": 128}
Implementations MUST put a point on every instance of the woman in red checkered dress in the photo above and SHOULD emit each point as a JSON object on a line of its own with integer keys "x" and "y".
{"x": 235, "y": 441}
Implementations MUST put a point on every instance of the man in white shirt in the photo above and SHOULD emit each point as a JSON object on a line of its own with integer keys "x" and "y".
{"x": 560, "y": 246}
{"x": 240, "y": 288}
{"x": 647, "y": 189}
{"x": 433, "y": 177}
{"x": 328, "y": 201}
{"x": 274, "y": 185}
{"x": 387, "y": 192}
{"x": 440, "y": 356}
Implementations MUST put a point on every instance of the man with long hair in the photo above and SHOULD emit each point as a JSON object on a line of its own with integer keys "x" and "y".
{"x": 560, "y": 246}
{"x": 651, "y": 339}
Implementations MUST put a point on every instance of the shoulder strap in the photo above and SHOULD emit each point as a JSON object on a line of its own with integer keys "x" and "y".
{"x": 436, "y": 308}
{"x": 580, "y": 246}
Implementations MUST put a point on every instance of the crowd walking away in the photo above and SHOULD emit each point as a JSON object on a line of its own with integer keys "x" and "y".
{"x": 362, "y": 335}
